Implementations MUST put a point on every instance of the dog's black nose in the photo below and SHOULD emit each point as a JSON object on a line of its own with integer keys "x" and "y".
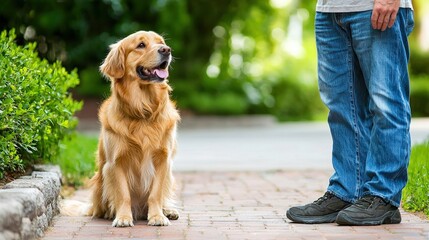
{"x": 164, "y": 50}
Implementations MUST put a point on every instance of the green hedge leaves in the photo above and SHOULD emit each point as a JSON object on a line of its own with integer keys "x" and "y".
{"x": 36, "y": 109}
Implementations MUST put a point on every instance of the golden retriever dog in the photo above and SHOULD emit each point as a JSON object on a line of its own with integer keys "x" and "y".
{"x": 138, "y": 135}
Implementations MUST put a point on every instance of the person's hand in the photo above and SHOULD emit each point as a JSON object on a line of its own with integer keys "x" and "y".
{"x": 384, "y": 13}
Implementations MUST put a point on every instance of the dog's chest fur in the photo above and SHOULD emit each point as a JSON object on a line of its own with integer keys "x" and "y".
{"x": 140, "y": 136}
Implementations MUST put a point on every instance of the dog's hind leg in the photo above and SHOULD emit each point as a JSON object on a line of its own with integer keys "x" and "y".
{"x": 98, "y": 208}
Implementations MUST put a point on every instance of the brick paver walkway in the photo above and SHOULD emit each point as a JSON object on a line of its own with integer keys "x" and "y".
{"x": 239, "y": 205}
{"x": 228, "y": 187}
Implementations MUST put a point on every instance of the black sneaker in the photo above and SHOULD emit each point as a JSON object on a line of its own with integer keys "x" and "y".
{"x": 369, "y": 210}
{"x": 323, "y": 210}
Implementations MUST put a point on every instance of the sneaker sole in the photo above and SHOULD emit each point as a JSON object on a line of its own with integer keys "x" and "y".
{"x": 390, "y": 217}
{"x": 330, "y": 218}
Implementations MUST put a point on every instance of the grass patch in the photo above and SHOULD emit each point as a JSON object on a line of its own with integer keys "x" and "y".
{"x": 77, "y": 158}
{"x": 416, "y": 193}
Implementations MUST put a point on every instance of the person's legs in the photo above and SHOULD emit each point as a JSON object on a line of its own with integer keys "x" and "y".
{"x": 383, "y": 57}
{"x": 363, "y": 80}
{"x": 342, "y": 89}
{"x": 339, "y": 77}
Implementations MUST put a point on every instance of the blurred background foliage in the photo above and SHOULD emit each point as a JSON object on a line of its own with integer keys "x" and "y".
{"x": 231, "y": 57}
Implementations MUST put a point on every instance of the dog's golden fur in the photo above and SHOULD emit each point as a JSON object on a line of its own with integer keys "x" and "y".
{"x": 138, "y": 135}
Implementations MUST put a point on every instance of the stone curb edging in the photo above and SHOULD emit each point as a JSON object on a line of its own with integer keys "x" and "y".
{"x": 29, "y": 203}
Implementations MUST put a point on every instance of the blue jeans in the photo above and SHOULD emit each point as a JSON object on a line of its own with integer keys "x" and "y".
{"x": 364, "y": 82}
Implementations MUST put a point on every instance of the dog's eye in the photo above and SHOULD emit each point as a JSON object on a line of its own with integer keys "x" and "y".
{"x": 141, "y": 45}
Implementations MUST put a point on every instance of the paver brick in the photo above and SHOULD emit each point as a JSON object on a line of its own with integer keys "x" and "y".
{"x": 239, "y": 205}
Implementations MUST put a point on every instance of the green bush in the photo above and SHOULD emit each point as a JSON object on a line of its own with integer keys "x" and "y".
{"x": 295, "y": 101}
{"x": 77, "y": 158}
{"x": 418, "y": 61}
{"x": 416, "y": 193}
{"x": 36, "y": 110}
{"x": 228, "y": 103}
{"x": 419, "y": 95}
{"x": 419, "y": 84}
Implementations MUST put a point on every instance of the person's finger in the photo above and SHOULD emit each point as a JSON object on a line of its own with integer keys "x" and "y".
{"x": 374, "y": 18}
{"x": 392, "y": 19}
{"x": 385, "y": 22}
{"x": 380, "y": 20}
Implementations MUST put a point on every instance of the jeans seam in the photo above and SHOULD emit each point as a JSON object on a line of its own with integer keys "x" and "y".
{"x": 356, "y": 131}
{"x": 352, "y": 80}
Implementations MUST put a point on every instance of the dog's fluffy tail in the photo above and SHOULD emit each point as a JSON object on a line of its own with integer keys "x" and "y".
{"x": 74, "y": 208}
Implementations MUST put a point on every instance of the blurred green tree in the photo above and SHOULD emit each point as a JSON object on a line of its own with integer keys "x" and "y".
{"x": 231, "y": 57}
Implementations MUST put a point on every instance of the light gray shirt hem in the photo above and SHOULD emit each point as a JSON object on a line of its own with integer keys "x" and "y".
{"x": 352, "y": 8}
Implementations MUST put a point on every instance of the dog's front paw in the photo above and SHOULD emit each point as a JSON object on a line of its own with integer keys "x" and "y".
{"x": 158, "y": 220}
{"x": 171, "y": 213}
{"x": 123, "y": 221}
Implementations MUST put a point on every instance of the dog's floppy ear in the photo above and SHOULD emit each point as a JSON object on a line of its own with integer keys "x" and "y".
{"x": 114, "y": 64}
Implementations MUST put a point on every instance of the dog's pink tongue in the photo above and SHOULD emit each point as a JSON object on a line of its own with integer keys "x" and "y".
{"x": 162, "y": 73}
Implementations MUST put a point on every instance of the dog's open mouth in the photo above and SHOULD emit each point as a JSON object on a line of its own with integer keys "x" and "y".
{"x": 159, "y": 73}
